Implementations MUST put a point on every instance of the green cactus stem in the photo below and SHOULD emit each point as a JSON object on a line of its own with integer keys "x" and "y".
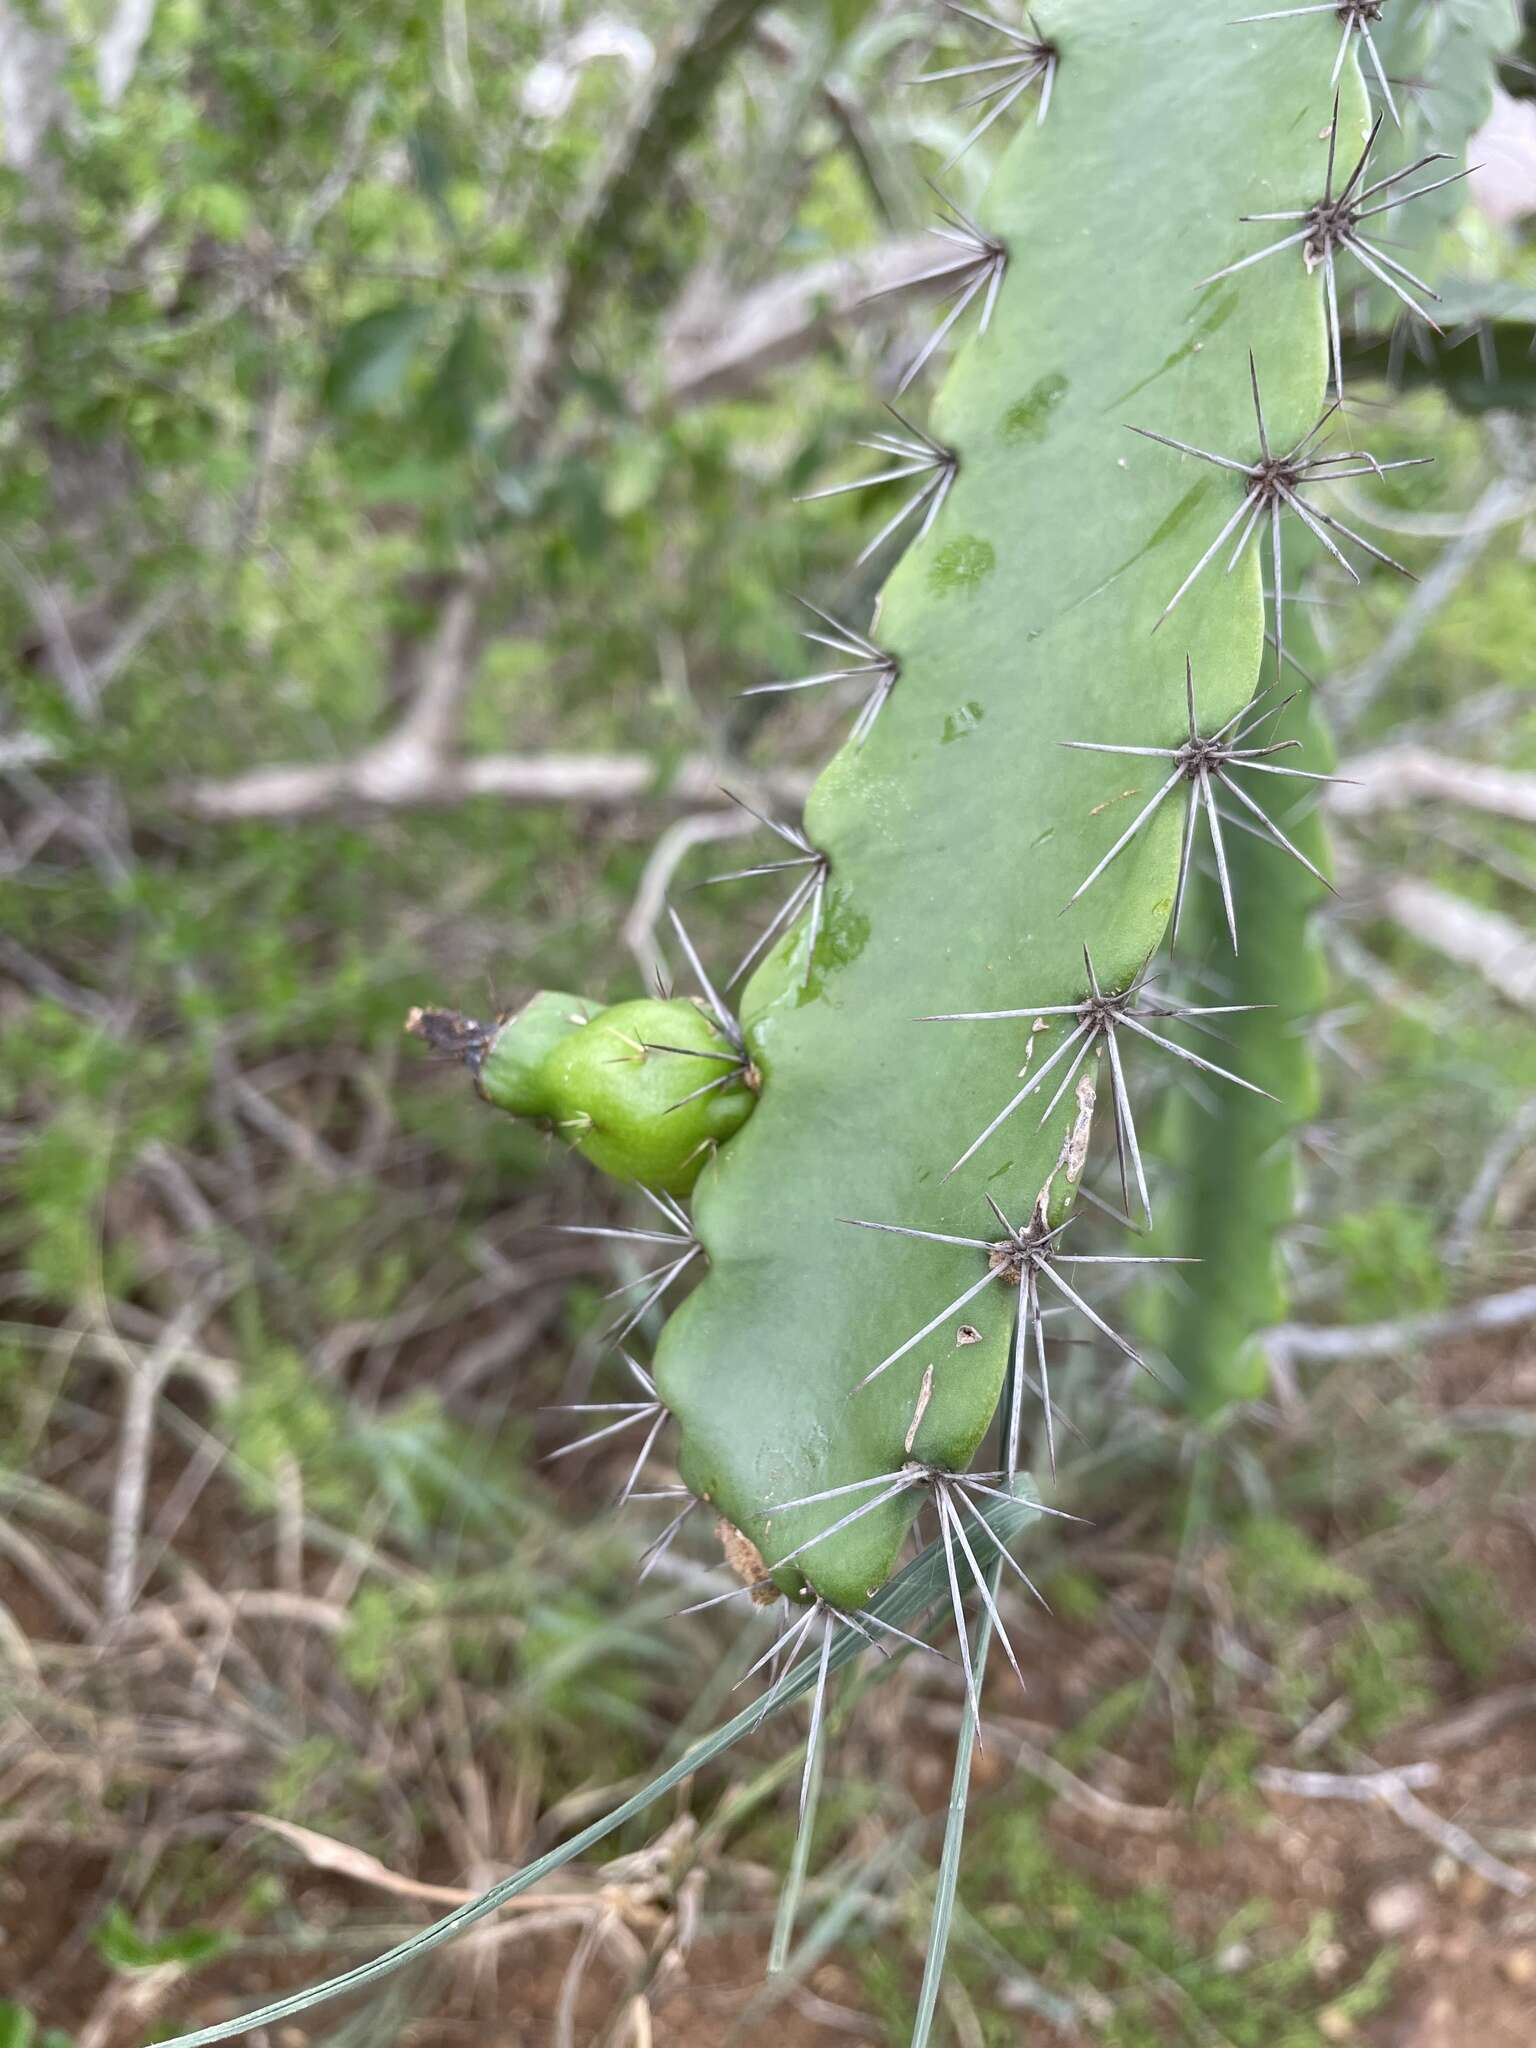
{"x": 958, "y": 824}
{"x": 1235, "y": 1166}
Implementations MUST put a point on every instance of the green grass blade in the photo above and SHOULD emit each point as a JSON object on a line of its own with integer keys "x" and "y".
{"x": 907, "y": 1596}
{"x": 794, "y": 1880}
{"x": 954, "y": 1835}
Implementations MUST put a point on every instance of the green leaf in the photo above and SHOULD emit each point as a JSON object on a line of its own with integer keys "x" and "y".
{"x": 942, "y": 1918}
{"x": 521, "y": 489}
{"x": 18, "y": 2029}
{"x": 119, "y": 1943}
{"x": 374, "y": 356}
{"x": 223, "y": 209}
{"x": 433, "y": 172}
{"x": 462, "y": 382}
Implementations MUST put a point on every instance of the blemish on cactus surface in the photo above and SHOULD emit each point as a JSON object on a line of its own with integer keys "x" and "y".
{"x": 1214, "y": 315}
{"x": 1175, "y": 522}
{"x": 961, "y": 722}
{"x": 1028, "y": 418}
{"x": 961, "y": 564}
{"x": 844, "y": 935}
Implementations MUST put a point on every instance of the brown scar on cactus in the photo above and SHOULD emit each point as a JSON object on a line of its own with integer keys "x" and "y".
{"x": 746, "y": 1561}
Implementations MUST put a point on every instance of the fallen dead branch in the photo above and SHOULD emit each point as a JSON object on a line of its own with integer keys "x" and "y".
{"x": 1491, "y": 945}
{"x": 1399, "y": 775}
{"x": 390, "y": 779}
{"x": 1297, "y": 1344}
{"x": 1397, "y": 1790}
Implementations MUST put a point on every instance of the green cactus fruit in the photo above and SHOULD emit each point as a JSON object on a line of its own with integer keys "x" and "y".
{"x": 648, "y": 1090}
{"x": 645, "y": 1090}
{"x": 510, "y": 1074}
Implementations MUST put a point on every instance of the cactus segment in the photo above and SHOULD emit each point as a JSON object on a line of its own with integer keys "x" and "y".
{"x": 959, "y": 823}
{"x": 1444, "y": 56}
{"x": 1235, "y": 1188}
